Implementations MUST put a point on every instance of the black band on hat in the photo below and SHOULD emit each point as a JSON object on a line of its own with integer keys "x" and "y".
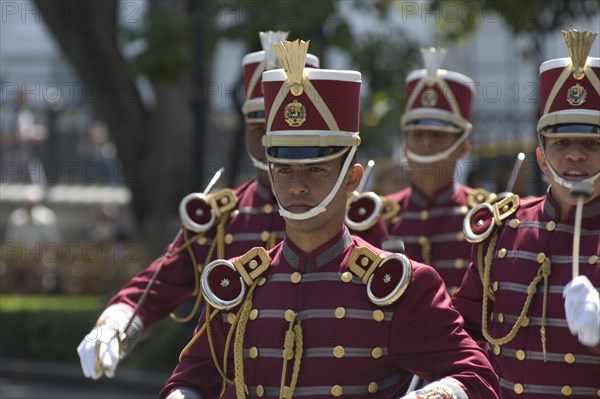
{"x": 432, "y": 122}
{"x": 303, "y": 152}
{"x": 570, "y": 128}
{"x": 255, "y": 115}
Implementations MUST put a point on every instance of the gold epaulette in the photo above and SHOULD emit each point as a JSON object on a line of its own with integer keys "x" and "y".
{"x": 390, "y": 209}
{"x": 225, "y": 285}
{"x": 386, "y": 277}
{"x": 479, "y": 224}
{"x": 482, "y": 219}
{"x": 224, "y": 282}
{"x": 222, "y": 201}
{"x": 199, "y": 212}
{"x": 363, "y": 210}
{"x": 479, "y": 196}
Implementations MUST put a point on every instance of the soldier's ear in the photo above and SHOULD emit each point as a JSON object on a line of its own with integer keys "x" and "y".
{"x": 465, "y": 148}
{"x": 541, "y": 161}
{"x": 355, "y": 174}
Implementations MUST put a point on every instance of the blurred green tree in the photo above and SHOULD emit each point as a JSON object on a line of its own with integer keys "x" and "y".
{"x": 162, "y": 145}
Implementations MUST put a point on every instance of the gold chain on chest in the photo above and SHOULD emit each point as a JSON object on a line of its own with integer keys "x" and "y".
{"x": 542, "y": 273}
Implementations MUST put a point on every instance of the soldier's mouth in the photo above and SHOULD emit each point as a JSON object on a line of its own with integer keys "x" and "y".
{"x": 575, "y": 175}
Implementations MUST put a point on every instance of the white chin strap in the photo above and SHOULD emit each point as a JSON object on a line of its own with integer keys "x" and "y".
{"x": 259, "y": 164}
{"x": 322, "y": 207}
{"x": 437, "y": 157}
{"x": 564, "y": 182}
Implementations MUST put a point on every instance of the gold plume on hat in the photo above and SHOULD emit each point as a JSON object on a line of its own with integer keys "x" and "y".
{"x": 433, "y": 59}
{"x": 267, "y": 39}
{"x": 292, "y": 57}
{"x": 579, "y": 45}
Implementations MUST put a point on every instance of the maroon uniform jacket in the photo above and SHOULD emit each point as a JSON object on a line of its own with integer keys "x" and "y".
{"x": 431, "y": 230}
{"x": 253, "y": 222}
{"x": 350, "y": 346}
{"x": 532, "y": 242}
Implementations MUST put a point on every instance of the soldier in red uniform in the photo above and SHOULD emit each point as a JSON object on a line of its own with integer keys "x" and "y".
{"x": 324, "y": 313}
{"x": 528, "y": 291}
{"x": 223, "y": 224}
{"x": 427, "y": 216}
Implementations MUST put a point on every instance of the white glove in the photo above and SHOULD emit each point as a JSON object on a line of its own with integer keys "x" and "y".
{"x": 183, "y": 393}
{"x": 582, "y": 308}
{"x": 447, "y": 387}
{"x": 99, "y": 352}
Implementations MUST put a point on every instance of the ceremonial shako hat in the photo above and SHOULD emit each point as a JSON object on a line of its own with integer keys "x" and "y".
{"x": 436, "y": 98}
{"x": 570, "y": 90}
{"x": 254, "y": 64}
{"x": 312, "y": 115}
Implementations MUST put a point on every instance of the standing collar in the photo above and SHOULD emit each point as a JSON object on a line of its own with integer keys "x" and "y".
{"x": 321, "y": 256}
{"x": 552, "y": 209}
{"x": 441, "y": 196}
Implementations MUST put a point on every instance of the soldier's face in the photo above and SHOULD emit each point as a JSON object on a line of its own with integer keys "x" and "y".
{"x": 573, "y": 159}
{"x": 429, "y": 142}
{"x": 254, "y": 134}
{"x": 301, "y": 187}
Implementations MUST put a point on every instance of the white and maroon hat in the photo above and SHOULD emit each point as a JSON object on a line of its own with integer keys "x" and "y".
{"x": 570, "y": 90}
{"x": 436, "y": 98}
{"x": 312, "y": 115}
{"x": 254, "y": 64}
{"x": 570, "y": 97}
{"x": 319, "y": 122}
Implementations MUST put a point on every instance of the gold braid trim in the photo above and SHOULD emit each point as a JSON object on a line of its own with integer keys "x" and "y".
{"x": 185, "y": 319}
{"x": 480, "y": 263}
{"x": 199, "y": 333}
{"x": 543, "y": 272}
{"x": 197, "y": 271}
{"x": 288, "y": 354}
{"x": 546, "y": 271}
{"x": 298, "y": 358}
{"x": 425, "y": 249}
{"x": 238, "y": 346}
{"x": 293, "y": 336}
{"x": 213, "y": 352}
{"x": 220, "y": 241}
{"x": 227, "y": 344}
{"x": 272, "y": 240}
{"x": 206, "y": 327}
{"x": 194, "y": 265}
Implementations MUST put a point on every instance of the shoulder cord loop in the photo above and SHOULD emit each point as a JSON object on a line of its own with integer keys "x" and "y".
{"x": 219, "y": 239}
{"x": 210, "y": 316}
